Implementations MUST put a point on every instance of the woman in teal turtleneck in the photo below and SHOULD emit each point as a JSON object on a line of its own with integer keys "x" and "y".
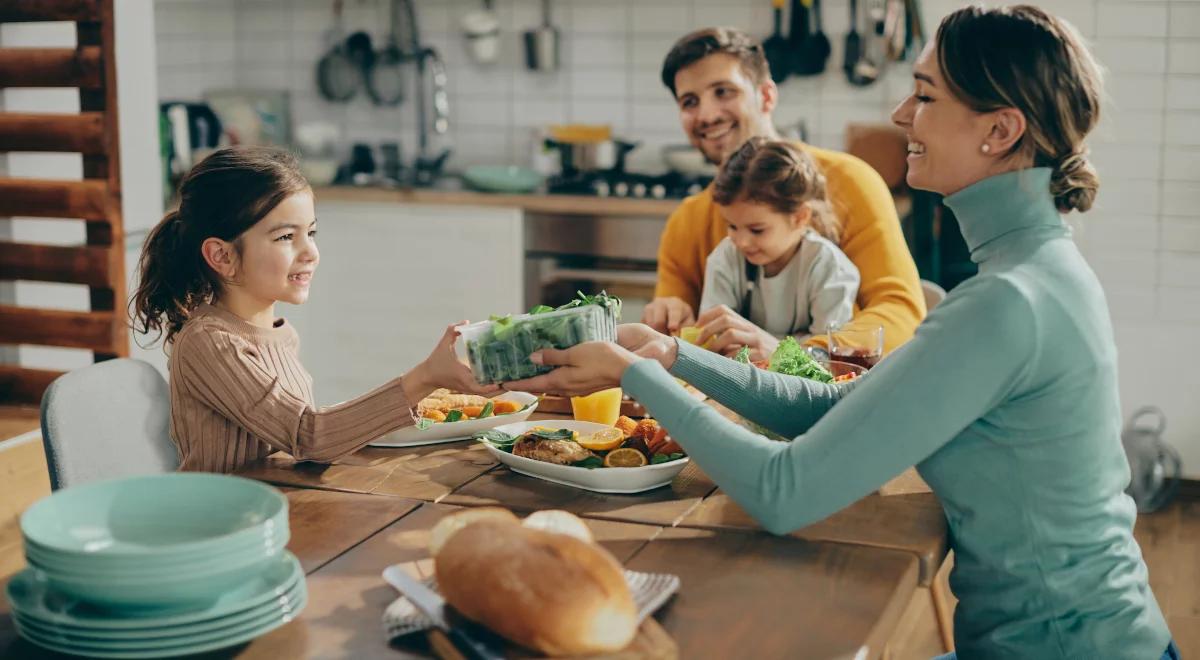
{"x": 1006, "y": 398}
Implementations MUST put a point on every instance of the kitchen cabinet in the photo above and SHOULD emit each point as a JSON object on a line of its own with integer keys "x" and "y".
{"x": 392, "y": 276}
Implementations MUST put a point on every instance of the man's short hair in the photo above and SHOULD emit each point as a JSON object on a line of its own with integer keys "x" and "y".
{"x": 692, "y": 48}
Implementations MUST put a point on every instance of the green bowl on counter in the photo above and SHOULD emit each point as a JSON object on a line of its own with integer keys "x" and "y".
{"x": 502, "y": 178}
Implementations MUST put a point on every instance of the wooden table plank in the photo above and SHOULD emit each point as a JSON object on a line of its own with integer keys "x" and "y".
{"x": 912, "y": 523}
{"x": 324, "y": 523}
{"x": 426, "y": 473}
{"x": 762, "y": 596}
{"x": 348, "y": 596}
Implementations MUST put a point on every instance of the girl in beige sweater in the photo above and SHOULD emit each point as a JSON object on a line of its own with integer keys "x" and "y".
{"x": 242, "y": 239}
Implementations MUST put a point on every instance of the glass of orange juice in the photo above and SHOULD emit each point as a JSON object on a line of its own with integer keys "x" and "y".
{"x": 603, "y": 407}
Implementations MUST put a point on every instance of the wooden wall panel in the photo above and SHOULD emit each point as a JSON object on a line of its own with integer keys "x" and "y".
{"x": 51, "y": 67}
{"x": 80, "y": 133}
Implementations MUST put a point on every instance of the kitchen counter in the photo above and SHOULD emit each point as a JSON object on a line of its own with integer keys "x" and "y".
{"x": 530, "y": 203}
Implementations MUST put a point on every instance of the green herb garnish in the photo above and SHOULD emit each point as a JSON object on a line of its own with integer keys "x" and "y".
{"x": 498, "y": 439}
{"x": 454, "y": 415}
{"x": 560, "y": 434}
{"x": 487, "y": 410}
{"x": 591, "y": 462}
{"x": 665, "y": 458}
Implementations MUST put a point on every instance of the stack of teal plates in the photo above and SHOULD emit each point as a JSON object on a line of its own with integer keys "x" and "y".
{"x": 158, "y": 565}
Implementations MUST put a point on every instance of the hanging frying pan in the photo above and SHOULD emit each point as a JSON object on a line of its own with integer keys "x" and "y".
{"x": 386, "y": 80}
{"x": 776, "y": 47}
{"x": 338, "y": 76}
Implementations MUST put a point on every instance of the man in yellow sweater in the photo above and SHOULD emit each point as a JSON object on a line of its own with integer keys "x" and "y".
{"x": 725, "y": 95}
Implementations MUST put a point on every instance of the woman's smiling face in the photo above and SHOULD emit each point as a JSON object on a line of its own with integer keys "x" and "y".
{"x": 945, "y": 137}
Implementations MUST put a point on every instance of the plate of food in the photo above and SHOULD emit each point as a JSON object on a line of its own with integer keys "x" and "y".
{"x": 447, "y": 416}
{"x": 629, "y": 457}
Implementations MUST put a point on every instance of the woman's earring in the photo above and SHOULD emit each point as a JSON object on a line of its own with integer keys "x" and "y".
{"x": 985, "y": 148}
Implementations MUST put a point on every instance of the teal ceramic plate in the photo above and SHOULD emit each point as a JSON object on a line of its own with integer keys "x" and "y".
{"x": 502, "y": 178}
{"x": 232, "y": 626}
{"x": 154, "y": 515}
{"x": 32, "y": 596}
{"x": 118, "y": 650}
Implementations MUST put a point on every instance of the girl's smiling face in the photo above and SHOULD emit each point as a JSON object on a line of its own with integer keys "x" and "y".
{"x": 272, "y": 261}
{"x": 279, "y": 253}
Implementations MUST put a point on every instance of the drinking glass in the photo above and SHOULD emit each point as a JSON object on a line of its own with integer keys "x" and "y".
{"x": 856, "y": 344}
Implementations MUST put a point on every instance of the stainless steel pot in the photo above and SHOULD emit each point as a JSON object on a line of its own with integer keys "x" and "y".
{"x": 584, "y": 157}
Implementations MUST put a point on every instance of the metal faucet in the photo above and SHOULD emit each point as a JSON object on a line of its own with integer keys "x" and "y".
{"x": 427, "y": 167}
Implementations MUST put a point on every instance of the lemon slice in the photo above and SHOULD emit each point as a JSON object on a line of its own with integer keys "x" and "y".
{"x": 603, "y": 440}
{"x": 625, "y": 457}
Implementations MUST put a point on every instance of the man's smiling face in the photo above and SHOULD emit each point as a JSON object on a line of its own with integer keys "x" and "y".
{"x": 721, "y": 107}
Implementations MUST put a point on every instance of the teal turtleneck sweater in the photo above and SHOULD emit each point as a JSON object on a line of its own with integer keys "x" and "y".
{"x": 1005, "y": 400}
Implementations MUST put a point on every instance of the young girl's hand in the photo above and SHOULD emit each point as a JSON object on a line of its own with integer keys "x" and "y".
{"x": 729, "y": 332}
{"x": 443, "y": 368}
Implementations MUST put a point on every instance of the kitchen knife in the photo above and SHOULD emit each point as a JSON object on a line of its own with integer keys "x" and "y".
{"x": 433, "y": 606}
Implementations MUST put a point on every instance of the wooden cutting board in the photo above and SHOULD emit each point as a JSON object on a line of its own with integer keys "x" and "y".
{"x": 561, "y": 405}
{"x": 652, "y": 642}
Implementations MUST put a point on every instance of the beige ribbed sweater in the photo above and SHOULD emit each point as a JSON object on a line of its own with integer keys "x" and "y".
{"x": 239, "y": 392}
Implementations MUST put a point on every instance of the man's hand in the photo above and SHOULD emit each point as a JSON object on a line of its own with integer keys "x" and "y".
{"x": 729, "y": 332}
{"x": 668, "y": 315}
{"x": 581, "y": 369}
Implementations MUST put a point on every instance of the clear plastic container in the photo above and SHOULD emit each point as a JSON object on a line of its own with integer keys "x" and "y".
{"x": 498, "y": 351}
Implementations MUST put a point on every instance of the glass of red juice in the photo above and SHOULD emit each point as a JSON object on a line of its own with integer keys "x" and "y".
{"x": 857, "y": 344}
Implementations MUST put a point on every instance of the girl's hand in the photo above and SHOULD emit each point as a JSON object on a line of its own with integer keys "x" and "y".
{"x": 581, "y": 369}
{"x": 443, "y": 369}
{"x": 644, "y": 341}
{"x": 729, "y": 332}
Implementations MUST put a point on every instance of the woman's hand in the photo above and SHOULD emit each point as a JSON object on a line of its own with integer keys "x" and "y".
{"x": 581, "y": 369}
{"x": 729, "y": 332}
{"x": 443, "y": 369}
{"x": 644, "y": 341}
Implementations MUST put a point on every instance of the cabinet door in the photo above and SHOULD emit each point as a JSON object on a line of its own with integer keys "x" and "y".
{"x": 391, "y": 277}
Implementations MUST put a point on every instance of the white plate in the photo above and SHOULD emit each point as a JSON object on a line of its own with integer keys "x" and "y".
{"x": 411, "y": 436}
{"x": 600, "y": 480}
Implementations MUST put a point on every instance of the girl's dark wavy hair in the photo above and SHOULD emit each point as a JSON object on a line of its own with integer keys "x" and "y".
{"x": 222, "y": 196}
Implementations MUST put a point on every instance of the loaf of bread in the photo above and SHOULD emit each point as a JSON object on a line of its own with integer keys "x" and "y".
{"x": 547, "y": 590}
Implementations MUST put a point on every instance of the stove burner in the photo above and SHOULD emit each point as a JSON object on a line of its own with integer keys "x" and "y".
{"x": 624, "y": 184}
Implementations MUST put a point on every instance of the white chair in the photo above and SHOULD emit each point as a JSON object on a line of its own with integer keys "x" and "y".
{"x": 934, "y": 294}
{"x": 110, "y": 419}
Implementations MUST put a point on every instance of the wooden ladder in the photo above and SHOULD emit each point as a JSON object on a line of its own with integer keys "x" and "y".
{"x": 95, "y": 200}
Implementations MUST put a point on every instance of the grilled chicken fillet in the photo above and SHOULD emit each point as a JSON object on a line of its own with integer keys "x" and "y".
{"x": 562, "y": 452}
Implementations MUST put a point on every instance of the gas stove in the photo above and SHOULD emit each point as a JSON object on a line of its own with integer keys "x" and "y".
{"x": 672, "y": 185}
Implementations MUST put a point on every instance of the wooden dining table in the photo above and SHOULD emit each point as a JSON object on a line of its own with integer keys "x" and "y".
{"x": 845, "y": 587}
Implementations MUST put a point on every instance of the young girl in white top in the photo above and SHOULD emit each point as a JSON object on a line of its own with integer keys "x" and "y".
{"x": 780, "y": 267}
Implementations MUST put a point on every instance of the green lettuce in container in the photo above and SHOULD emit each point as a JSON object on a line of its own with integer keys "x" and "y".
{"x": 498, "y": 350}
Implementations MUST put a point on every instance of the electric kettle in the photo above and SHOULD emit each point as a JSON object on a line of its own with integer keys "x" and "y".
{"x": 1154, "y": 465}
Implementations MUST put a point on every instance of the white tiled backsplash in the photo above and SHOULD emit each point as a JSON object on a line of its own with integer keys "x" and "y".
{"x": 1143, "y": 237}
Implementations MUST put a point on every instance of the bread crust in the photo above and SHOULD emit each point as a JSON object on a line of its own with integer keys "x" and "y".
{"x": 551, "y": 592}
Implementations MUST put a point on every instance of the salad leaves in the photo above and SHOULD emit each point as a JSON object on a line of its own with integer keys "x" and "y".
{"x": 790, "y": 358}
{"x": 502, "y": 352}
